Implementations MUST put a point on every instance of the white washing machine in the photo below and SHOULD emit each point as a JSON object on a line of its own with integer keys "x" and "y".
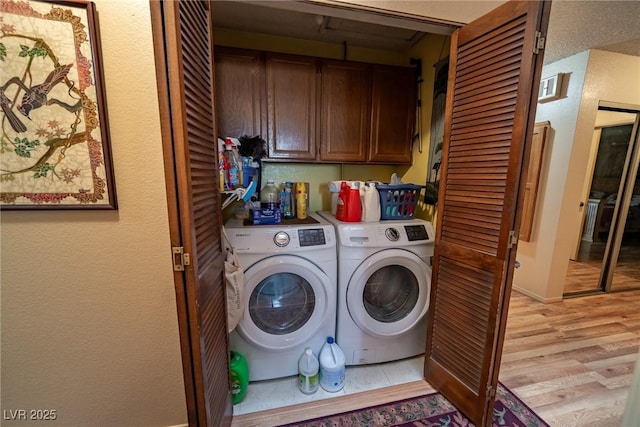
{"x": 290, "y": 273}
{"x": 384, "y": 281}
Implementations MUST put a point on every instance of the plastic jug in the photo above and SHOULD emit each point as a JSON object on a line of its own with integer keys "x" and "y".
{"x": 270, "y": 196}
{"x": 353, "y": 207}
{"x": 370, "y": 203}
{"x": 239, "y": 377}
{"x": 308, "y": 372}
{"x": 349, "y": 208}
{"x": 332, "y": 367}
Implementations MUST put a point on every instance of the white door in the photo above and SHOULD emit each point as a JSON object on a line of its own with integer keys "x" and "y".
{"x": 287, "y": 300}
{"x": 388, "y": 293}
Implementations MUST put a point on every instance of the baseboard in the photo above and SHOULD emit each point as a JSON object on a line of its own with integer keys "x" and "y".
{"x": 536, "y": 296}
{"x": 180, "y": 425}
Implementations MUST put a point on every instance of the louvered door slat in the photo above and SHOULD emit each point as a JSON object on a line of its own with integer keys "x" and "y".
{"x": 466, "y": 215}
{"x": 507, "y": 98}
{"x": 503, "y": 39}
{"x": 489, "y": 100}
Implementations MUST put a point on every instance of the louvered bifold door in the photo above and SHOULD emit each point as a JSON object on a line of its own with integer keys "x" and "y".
{"x": 190, "y": 124}
{"x": 489, "y": 113}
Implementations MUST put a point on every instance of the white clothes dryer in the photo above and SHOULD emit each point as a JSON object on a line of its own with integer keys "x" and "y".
{"x": 384, "y": 282}
{"x": 290, "y": 276}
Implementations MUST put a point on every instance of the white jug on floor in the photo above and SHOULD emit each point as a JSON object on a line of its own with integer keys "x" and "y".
{"x": 332, "y": 367}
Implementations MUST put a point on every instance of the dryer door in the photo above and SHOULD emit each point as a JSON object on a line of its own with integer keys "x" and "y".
{"x": 388, "y": 293}
{"x": 287, "y": 299}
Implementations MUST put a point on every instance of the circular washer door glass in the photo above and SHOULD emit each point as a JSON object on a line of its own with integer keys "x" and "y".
{"x": 282, "y": 303}
{"x": 391, "y": 293}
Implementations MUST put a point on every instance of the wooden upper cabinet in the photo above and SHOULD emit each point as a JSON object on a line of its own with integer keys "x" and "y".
{"x": 316, "y": 110}
{"x": 393, "y": 114}
{"x": 345, "y": 111}
{"x": 292, "y": 106}
{"x": 240, "y": 94}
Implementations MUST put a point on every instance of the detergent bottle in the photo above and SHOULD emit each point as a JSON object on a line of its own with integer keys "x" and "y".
{"x": 370, "y": 203}
{"x": 239, "y": 377}
{"x": 353, "y": 206}
{"x": 341, "y": 205}
{"x": 308, "y": 372}
{"x": 332, "y": 366}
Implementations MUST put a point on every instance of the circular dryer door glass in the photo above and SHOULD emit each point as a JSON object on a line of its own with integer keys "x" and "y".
{"x": 391, "y": 293}
{"x": 388, "y": 293}
{"x": 282, "y": 303}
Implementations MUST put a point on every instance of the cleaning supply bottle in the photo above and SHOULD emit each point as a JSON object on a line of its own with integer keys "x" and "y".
{"x": 233, "y": 168}
{"x": 288, "y": 211}
{"x": 341, "y": 205}
{"x": 301, "y": 200}
{"x": 332, "y": 367}
{"x": 308, "y": 372}
{"x": 353, "y": 206}
{"x": 222, "y": 167}
{"x": 270, "y": 196}
{"x": 239, "y": 377}
{"x": 370, "y": 203}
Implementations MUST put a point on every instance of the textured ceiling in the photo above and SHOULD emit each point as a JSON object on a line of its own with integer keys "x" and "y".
{"x": 575, "y": 25}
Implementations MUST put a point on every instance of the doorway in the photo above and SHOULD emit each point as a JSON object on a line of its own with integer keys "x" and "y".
{"x": 608, "y": 256}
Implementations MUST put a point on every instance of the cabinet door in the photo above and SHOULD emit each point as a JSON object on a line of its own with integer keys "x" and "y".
{"x": 240, "y": 103}
{"x": 345, "y": 101}
{"x": 292, "y": 107}
{"x": 393, "y": 114}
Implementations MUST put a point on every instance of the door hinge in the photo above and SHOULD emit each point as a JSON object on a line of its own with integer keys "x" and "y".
{"x": 538, "y": 42}
{"x": 513, "y": 238}
{"x": 180, "y": 258}
{"x": 491, "y": 393}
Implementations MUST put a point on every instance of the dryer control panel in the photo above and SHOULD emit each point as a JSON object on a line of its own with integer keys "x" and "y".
{"x": 416, "y": 232}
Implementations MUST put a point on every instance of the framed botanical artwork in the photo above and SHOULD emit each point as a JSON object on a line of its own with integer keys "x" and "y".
{"x": 54, "y": 139}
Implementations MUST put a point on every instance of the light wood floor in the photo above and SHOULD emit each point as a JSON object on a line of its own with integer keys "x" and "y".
{"x": 584, "y": 273}
{"x": 571, "y": 362}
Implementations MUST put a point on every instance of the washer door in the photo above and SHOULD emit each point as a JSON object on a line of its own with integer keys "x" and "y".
{"x": 388, "y": 293}
{"x": 286, "y": 302}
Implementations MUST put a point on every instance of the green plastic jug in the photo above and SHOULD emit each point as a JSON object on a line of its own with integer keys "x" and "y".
{"x": 239, "y": 377}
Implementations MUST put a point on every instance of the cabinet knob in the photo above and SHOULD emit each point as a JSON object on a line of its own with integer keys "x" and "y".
{"x": 581, "y": 204}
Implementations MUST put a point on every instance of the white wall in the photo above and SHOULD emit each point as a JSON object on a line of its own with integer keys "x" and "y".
{"x": 595, "y": 76}
{"x": 89, "y": 325}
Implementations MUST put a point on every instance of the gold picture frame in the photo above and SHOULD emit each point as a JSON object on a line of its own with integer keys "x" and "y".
{"x": 54, "y": 140}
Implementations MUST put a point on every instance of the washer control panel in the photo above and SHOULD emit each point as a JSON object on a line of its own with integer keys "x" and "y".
{"x": 311, "y": 237}
{"x": 280, "y": 238}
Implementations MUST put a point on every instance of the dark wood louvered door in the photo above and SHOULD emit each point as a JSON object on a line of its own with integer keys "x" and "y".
{"x": 182, "y": 40}
{"x": 491, "y": 97}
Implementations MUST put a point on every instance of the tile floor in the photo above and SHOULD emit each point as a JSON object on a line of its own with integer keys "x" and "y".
{"x": 269, "y": 394}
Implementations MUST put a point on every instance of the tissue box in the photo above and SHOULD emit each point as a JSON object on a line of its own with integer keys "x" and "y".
{"x": 266, "y": 216}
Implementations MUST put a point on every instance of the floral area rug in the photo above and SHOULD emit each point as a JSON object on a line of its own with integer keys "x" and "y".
{"x": 432, "y": 410}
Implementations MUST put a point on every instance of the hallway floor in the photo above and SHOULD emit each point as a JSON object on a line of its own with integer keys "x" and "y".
{"x": 572, "y": 362}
